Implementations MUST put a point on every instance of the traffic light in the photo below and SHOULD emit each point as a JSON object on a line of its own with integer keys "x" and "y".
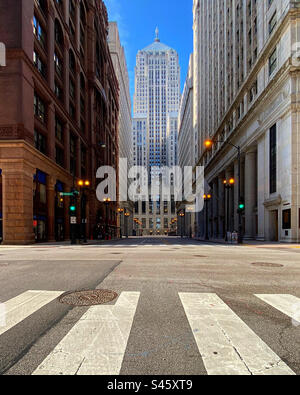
{"x": 72, "y": 208}
{"x": 241, "y": 208}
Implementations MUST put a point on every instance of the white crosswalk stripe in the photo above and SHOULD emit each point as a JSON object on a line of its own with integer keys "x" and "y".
{"x": 96, "y": 344}
{"x": 17, "y": 309}
{"x": 287, "y": 304}
{"x": 227, "y": 345}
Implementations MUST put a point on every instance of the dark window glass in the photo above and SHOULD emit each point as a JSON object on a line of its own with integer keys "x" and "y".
{"x": 286, "y": 219}
{"x": 40, "y": 142}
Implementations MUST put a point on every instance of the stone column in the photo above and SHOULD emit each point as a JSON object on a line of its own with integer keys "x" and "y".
{"x": 215, "y": 208}
{"x": 17, "y": 182}
{"x": 51, "y": 131}
{"x": 67, "y": 146}
{"x": 221, "y": 206}
{"x": 236, "y": 196}
{"x": 262, "y": 186}
{"x": 228, "y": 202}
{"x": 51, "y": 181}
{"x": 250, "y": 192}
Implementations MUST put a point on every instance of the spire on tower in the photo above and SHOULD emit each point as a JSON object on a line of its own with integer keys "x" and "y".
{"x": 157, "y": 35}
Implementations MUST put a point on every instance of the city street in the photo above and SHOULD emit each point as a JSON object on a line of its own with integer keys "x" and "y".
{"x": 183, "y": 308}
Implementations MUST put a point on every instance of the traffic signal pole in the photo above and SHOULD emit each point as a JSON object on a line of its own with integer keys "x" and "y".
{"x": 240, "y": 232}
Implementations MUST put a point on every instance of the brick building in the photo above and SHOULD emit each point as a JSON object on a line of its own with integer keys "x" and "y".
{"x": 58, "y": 116}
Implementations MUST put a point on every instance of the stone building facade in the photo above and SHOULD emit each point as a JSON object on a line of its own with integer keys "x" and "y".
{"x": 58, "y": 116}
{"x": 126, "y": 208}
{"x": 155, "y": 128}
{"x": 186, "y": 151}
{"x": 246, "y": 93}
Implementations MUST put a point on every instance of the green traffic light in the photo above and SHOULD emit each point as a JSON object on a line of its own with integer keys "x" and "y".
{"x": 241, "y": 206}
{"x": 72, "y": 208}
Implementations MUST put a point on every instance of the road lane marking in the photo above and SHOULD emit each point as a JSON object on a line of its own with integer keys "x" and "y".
{"x": 24, "y": 305}
{"x": 96, "y": 344}
{"x": 227, "y": 345}
{"x": 287, "y": 304}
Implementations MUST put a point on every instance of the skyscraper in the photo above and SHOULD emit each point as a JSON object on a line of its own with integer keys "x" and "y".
{"x": 246, "y": 95}
{"x": 155, "y": 126}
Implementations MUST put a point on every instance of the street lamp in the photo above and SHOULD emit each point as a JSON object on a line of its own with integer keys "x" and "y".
{"x": 84, "y": 184}
{"x": 207, "y": 199}
{"x": 182, "y": 215}
{"x": 208, "y": 144}
{"x": 228, "y": 184}
{"x": 106, "y": 202}
{"x": 127, "y": 215}
{"x": 121, "y": 211}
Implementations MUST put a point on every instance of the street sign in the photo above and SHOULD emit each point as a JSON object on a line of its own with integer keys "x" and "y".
{"x": 66, "y": 194}
{"x": 73, "y": 220}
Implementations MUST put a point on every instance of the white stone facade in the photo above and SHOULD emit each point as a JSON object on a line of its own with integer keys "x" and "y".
{"x": 187, "y": 143}
{"x": 246, "y": 92}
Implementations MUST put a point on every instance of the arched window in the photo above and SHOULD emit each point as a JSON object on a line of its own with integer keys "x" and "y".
{"x": 58, "y": 33}
{"x": 82, "y": 28}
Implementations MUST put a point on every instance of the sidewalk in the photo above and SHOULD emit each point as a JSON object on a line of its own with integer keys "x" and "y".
{"x": 250, "y": 243}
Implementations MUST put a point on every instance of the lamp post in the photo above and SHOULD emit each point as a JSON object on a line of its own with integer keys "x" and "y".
{"x": 127, "y": 215}
{"x": 106, "y": 202}
{"x": 83, "y": 185}
{"x": 228, "y": 184}
{"x": 121, "y": 211}
{"x": 207, "y": 199}
{"x": 208, "y": 144}
{"x": 182, "y": 215}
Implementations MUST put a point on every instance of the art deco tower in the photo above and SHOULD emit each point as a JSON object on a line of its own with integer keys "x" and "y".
{"x": 155, "y": 122}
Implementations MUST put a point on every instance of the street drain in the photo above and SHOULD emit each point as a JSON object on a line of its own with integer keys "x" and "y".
{"x": 266, "y": 264}
{"x": 88, "y": 298}
{"x": 200, "y": 256}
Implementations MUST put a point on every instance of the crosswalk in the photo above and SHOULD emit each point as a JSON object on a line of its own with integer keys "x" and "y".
{"x": 96, "y": 344}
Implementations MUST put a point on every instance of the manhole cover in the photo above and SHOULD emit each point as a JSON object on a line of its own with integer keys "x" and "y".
{"x": 266, "y": 264}
{"x": 88, "y": 298}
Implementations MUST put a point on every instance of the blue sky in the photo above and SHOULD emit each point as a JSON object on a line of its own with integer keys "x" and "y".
{"x": 137, "y": 20}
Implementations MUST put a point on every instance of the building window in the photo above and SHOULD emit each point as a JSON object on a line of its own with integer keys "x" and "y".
{"x": 58, "y": 129}
{"x": 272, "y": 23}
{"x": 39, "y": 32}
{"x": 286, "y": 219}
{"x": 39, "y": 108}
{"x": 59, "y": 156}
{"x": 39, "y": 64}
{"x": 73, "y": 155}
{"x": 58, "y": 34}
{"x": 58, "y": 64}
{"x": 273, "y": 62}
{"x": 273, "y": 159}
{"x": 40, "y": 142}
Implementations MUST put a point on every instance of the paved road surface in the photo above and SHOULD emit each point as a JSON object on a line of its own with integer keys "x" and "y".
{"x": 184, "y": 308}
